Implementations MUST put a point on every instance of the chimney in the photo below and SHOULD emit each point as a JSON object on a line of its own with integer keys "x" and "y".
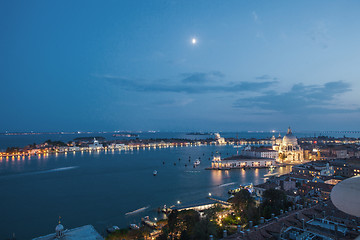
{"x": 303, "y": 223}
{"x": 250, "y": 224}
{"x": 224, "y": 233}
{"x": 336, "y": 231}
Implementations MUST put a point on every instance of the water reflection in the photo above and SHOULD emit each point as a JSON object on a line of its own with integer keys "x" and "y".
{"x": 256, "y": 172}
{"x": 243, "y": 174}
{"x": 216, "y": 177}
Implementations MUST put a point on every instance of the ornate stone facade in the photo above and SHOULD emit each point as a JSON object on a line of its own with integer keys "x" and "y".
{"x": 288, "y": 148}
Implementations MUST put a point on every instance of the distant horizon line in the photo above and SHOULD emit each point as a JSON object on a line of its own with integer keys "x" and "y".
{"x": 170, "y": 131}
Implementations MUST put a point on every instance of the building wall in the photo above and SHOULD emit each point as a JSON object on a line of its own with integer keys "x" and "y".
{"x": 243, "y": 163}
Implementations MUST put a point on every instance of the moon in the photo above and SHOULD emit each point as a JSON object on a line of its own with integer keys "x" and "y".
{"x": 193, "y": 41}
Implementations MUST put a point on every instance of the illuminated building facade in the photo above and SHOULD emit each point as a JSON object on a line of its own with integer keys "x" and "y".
{"x": 241, "y": 161}
{"x": 288, "y": 148}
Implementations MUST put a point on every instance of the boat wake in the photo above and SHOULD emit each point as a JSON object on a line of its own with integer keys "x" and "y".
{"x": 271, "y": 174}
{"x": 192, "y": 171}
{"x": 226, "y": 184}
{"x": 40, "y": 172}
{"x": 137, "y": 210}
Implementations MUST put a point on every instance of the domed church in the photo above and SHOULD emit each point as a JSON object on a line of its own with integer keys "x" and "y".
{"x": 288, "y": 148}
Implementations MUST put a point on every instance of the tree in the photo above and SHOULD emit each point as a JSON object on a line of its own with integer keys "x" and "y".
{"x": 182, "y": 223}
{"x": 211, "y": 212}
{"x": 273, "y": 201}
{"x": 203, "y": 229}
{"x": 242, "y": 200}
{"x": 244, "y": 205}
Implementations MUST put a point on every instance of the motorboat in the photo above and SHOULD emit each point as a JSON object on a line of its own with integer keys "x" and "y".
{"x": 134, "y": 226}
{"x": 197, "y": 163}
{"x": 112, "y": 229}
{"x": 154, "y": 172}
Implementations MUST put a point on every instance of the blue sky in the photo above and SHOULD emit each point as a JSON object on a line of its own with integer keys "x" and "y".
{"x": 130, "y": 65}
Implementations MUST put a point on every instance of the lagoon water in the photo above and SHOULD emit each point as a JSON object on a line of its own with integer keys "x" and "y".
{"x": 99, "y": 188}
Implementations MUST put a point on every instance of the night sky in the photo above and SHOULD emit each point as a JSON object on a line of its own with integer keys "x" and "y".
{"x": 132, "y": 65}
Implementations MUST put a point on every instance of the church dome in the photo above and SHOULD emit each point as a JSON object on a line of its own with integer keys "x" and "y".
{"x": 59, "y": 228}
{"x": 289, "y": 138}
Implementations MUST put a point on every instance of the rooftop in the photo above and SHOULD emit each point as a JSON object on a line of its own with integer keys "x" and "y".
{"x": 86, "y": 232}
{"x": 243, "y": 157}
{"x": 273, "y": 228}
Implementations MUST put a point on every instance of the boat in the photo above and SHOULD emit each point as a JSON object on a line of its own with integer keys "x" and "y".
{"x": 146, "y": 221}
{"x": 272, "y": 168}
{"x": 235, "y": 190}
{"x": 154, "y": 172}
{"x": 197, "y": 163}
{"x": 134, "y": 226}
{"x": 271, "y": 174}
{"x": 112, "y": 229}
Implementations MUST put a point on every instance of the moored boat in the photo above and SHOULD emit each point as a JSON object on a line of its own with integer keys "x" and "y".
{"x": 146, "y": 221}
{"x": 112, "y": 229}
{"x": 134, "y": 226}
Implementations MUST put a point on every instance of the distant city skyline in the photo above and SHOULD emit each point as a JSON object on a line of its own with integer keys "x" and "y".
{"x": 179, "y": 66}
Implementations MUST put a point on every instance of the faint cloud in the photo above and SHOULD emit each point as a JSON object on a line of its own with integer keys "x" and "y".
{"x": 301, "y": 99}
{"x": 195, "y": 78}
{"x": 266, "y": 77}
{"x": 197, "y": 82}
{"x": 198, "y": 77}
{"x": 175, "y": 102}
{"x": 319, "y": 35}
{"x": 255, "y": 16}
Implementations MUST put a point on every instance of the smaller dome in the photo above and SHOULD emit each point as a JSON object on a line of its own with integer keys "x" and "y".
{"x": 290, "y": 140}
{"x": 59, "y": 228}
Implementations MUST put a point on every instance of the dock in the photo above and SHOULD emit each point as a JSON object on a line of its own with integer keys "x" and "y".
{"x": 202, "y": 204}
